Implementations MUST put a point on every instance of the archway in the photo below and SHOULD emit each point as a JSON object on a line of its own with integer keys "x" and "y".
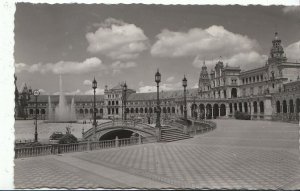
{"x": 222, "y": 110}
{"x": 261, "y": 107}
{"x": 181, "y": 109}
{"x": 230, "y": 107}
{"x": 298, "y": 105}
{"x": 246, "y": 107}
{"x": 278, "y": 106}
{"x": 208, "y": 111}
{"x": 235, "y": 106}
{"x": 202, "y": 111}
{"x": 233, "y": 93}
{"x": 291, "y": 103}
{"x": 132, "y": 110}
{"x": 216, "y": 110}
{"x": 173, "y": 109}
{"x": 240, "y": 107}
{"x": 254, "y": 107}
{"x": 284, "y": 107}
{"x": 136, "y": 110}
{"x": 194, "y": 111}
{"x": 121, "y": 134}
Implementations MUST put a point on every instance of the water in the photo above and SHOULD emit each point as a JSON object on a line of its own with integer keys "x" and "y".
{"x": 63, "y": 111}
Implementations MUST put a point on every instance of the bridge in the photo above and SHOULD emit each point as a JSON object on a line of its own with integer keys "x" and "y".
{"x": 126, "y": 128}
{"x": 171, "y": 130}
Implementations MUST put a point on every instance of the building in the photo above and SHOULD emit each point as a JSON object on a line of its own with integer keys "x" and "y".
{"x": 271, "y": 92}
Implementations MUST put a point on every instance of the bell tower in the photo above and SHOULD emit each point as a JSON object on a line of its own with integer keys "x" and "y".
{"x": 276, "y": 53}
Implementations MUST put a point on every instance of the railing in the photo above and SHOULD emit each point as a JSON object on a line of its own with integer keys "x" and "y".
{"x": 128, "y": 123}
{"x": 79, "y": 147}
{"x": 202, "y": 127}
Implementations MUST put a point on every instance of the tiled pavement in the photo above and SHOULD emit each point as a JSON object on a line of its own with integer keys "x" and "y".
{"x": 238, "y": 154}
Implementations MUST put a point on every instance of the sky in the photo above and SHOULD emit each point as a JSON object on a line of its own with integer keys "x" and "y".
{"x": 117, "y": 43}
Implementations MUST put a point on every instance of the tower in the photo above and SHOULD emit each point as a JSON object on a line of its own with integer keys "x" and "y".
{"x": 276, "y": 53}
{"x": 203, "y": 84}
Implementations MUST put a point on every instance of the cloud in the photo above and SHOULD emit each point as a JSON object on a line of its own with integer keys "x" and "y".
{"x": 63, "y": 67}
{"x": 292, "y": 10}
{"x": 118, "y": 65}
{"x": 117, "y": 40}
{"x": 87, "y": 82}
{"x": 91, "y": 91}
{"x": 212, "y": 42}
{"x": 293, "y": 51}
{"x": 170, "y": 79}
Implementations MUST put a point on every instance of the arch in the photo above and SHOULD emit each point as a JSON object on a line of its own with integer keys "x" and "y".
{"x": 230, "y": 107}
{"x": 136, "y": 110}
{"x": 173, "y": 109}
{"x": 108, "y": 102}
{"x": 216, "y": 110}
{"x": 284, "y": 106}
{"x": 101, "y": 110}
{"x": 169, "y": 110}
{"x": 181, "y": 109}
{"x": 222, "y": 110}
{"x": 297, "y": 105}
{"x": 86, "y": 110}
{"x": 208, "y": 111}
{"x": 164, "y": 110}
{"x": 81, "y": 111}
{"x": 146, "y": 110}
{"x": 291, "y": 104}
{"x": 30, "y": 111}
{"x": 278, "y": 106}
{"x": 240, "y": 107}
{"x": 246, "y": 107}
{"x": 151, "y": 110}
{"x": 255, "y": 107}
{"x": 202, "y": 111}
{"x": 261, "y": 107}
{"x": 120, "y": 133}
{"x": 43, "y": 111}
{"x": 233, "y": 93}
{"x": 141, "y": 110}
{"x": 131, "y": 110}
{"x": 91, "y": 110}
{"x": 235, "y": 106}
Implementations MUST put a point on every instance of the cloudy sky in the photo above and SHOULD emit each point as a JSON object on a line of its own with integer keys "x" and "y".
{"x": 129, "y": 42}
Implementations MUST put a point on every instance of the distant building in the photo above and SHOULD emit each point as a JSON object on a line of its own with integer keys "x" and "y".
{"x": 270, "y": 92}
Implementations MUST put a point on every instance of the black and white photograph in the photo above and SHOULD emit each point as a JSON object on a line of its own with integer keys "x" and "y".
{"x": 151, "y": 96}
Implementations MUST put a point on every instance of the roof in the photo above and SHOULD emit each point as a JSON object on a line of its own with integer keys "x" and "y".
{"x": 162, "y": 95}
{"x": 77, "y": 98}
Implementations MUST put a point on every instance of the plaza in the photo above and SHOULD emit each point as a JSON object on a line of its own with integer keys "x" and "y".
{"x": 237, "y": 154}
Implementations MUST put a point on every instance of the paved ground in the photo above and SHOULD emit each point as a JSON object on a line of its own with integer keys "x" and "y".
{"x": 238, "y": 154}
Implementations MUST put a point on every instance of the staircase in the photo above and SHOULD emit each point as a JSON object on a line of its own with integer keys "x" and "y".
{"x": 169, "y": 134}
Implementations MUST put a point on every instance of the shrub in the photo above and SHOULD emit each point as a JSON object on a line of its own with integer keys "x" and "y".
{"x": 67, "y": 139}
{"x": 242, "y": 115}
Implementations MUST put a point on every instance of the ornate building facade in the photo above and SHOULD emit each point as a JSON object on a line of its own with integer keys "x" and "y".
{"x": 271, "y": 92}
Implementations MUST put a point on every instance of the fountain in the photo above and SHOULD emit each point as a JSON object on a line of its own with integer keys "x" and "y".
{"x": 64, "y": 113}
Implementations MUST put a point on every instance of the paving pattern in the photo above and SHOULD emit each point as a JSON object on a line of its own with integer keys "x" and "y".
{"x": 238, "y": 154}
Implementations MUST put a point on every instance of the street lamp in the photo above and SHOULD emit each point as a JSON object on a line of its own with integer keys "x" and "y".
{"x": 36, "y": 93}
{"x": 184, "y": 84}
{"x": 94, "y": 85}
{"x": 124, "y": 99}
{"x": 157, "y": 80}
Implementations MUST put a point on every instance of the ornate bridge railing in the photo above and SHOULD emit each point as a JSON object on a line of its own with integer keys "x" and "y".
{"x": 24, "y": 152}
{"x": 126, "y": 124}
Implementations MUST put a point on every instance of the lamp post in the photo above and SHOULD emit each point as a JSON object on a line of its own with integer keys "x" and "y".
{"x": 124, "y": 99}
{"x": 36, "y": 93}
{"x": 157, "y": 80}
{"x": 94, "y": 85}
{"x": 184, "y": 84}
